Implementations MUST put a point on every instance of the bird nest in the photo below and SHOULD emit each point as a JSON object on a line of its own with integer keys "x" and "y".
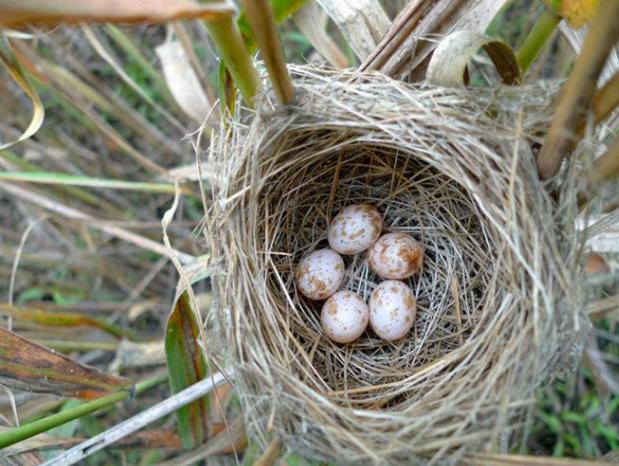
{"x": 498, "y": 302}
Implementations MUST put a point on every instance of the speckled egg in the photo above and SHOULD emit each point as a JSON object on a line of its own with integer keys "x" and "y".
{"x": 344, "y": 317}
{"x": 392, "y": 310}
{"x": 395, "y": 256}
{"x": 355, "y": 228}
{"x": 320, "y": 274}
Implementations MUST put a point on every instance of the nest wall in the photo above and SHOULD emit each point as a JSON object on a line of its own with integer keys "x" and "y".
{"x": 498, "y": 297}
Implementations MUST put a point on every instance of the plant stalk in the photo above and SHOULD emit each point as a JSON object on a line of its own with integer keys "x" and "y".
{"x": 606, "y": 99}
{"x": 31, "y": 429}
{"x": 229, "y": 42}
{"x": 537, "y": 38}
{"x": 576, "y": 94}
{"x": 606, "y": 167}
{"x": 262, "y": 21}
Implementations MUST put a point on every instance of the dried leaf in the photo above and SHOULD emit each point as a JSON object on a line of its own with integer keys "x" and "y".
{"x": 23, "y": 459}
{"x": 24, "y": 365}
{"x": 363, "y": 23}
{"x": 231, "y": 440}
{"x": 10, "y": 62}
{"x": 133, "y": 355}
{"x": 604, "y": 377}
{"x": 311, "y": 21}
{"x": 607, "y": 308}
{"x": 156, "y": 438}
{"x": 498, "y": 459}
{"x": 448, "y": 66}
{"x": 17, "y": 13}
{"x": 403, "y": 53}
{"x": 186, "y": 366}
{"x": 183, "y": 82}
{"x": 62, "y": 319}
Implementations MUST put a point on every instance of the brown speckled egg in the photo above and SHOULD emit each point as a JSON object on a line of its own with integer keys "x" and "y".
{"x": 395, "y": 256}
{"x": 355, "y": 228}
{"x": 320, "y": 274}
{"x": 344, "y": 317}
{"x": 392, "y": 310}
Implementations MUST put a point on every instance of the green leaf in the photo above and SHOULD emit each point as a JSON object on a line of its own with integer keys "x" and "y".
{"x": 576, "y": 418}
{"x": 187, "y": 366}
{"x": 282, "y": 9}
{"x": 24, "y": 365}
{"x": 25, "y": 431}
{"x": 552, "y": 421}
{"x": 295, "y": 459}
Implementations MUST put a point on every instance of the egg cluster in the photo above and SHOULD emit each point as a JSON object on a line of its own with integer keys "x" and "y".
{"x": 392, "y": 256}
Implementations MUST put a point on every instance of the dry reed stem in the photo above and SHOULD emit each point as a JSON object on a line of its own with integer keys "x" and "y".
{"x": 576, "y": 95}
{"x": 452, "y": 168}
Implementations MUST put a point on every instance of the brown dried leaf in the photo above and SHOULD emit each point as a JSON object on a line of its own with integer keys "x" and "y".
{"x": 24, "y": 365}
{"x": 17, "y": 13}
{"x": 156, "y": 438}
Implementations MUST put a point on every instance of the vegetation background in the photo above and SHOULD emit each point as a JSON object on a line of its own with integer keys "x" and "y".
{"x": 82, "y": 266}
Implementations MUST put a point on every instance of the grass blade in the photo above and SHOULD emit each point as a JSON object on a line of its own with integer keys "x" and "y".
{"x": 127, "y": 45}
{"x": 10, "y": 62}
{"x": 16, "y": 13}
{"x": 64, "y": 319}
{"x": 131, "y": 425}
{"x": 187, "y": 366}
{"x": 99, "y": 224}
{"x": 31, "y": 429}
{"x": 106, "y": 54}
{"x": 24, "y": 365}
{"x": 86, "y": 181}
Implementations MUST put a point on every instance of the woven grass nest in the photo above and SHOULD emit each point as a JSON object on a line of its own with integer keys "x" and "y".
{"x": 498, "y": 297}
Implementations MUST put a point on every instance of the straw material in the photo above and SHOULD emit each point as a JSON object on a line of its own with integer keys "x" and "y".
{"x": 499, "y": 301}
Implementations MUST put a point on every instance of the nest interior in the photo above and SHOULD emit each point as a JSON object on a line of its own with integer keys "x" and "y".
{"x": 497, "y": 300}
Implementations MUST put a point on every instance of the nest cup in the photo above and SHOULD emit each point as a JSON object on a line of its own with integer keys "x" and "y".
{"x": 498, "y": 300}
